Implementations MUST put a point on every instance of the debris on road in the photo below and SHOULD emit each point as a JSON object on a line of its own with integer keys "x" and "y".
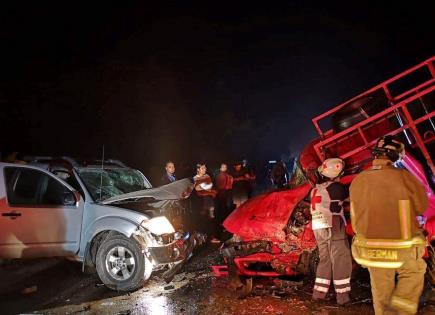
{"x": 269, "y": 309}
{"x": 195, "y": 291}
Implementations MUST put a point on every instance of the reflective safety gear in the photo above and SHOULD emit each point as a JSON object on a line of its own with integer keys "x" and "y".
{"x": 385, "y": 202}
{"x": 403, "y": 297}
{"x": 331, "y": 168}
{"x": 390, "y": 254}
{"x": 327, "y": 201}
{"x": 389, "y": 146}
{"x": 335, "y": 262}
{"x": 328, "y": 224}
{"x": 405, "y": 305}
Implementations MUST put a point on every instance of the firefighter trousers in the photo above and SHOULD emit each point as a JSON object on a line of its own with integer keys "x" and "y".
{"x": 401, "y": 296}
{"x": 335, "y": 261}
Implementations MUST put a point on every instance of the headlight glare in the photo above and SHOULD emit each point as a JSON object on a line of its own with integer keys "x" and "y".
{"x": 158, "y": 226}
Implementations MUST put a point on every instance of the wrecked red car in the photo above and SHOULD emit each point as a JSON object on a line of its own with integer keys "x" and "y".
{"x": 272, "y": 233}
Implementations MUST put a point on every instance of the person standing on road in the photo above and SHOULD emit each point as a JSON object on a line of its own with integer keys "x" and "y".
{"x": 241, "y": 184}
{"x": 224, "y": 198}
{"x": 329, "y": 224}
{"x": 203, "y": 186}
{"x": 169, "y": 176}
{"x": 247, "y": 169}
{"x": 279, "y": 175}
{"x": 385, "y": 203}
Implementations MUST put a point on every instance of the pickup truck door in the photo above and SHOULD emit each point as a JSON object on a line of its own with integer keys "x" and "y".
{"x": 40, "y": 215}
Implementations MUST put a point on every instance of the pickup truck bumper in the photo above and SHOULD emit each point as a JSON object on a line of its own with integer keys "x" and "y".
{"x": 176, "y": 253}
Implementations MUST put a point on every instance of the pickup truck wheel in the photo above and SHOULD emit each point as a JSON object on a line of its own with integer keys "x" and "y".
{"x": 121, "y": 265}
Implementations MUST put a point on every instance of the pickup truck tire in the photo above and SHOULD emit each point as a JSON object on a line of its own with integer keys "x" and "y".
{"x": 120, "y": 264}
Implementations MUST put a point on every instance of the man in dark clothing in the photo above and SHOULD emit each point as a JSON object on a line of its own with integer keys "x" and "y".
{"x": 169, "y": 176}
{"x": 241, "y": 184}
{"x": 279, "y": 175}
{"x": 250, "y": 171}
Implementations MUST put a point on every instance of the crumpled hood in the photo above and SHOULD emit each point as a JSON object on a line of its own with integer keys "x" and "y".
{"x": 174, "y": 191}
{"x": 265, "y": 216}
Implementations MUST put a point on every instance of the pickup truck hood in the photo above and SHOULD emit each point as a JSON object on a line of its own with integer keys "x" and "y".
{"x": 180, "y": 189}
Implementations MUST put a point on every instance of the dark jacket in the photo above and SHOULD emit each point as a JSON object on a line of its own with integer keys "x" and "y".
{"x": 167, "y": 179}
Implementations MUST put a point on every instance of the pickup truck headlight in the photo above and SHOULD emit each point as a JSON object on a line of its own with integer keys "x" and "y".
{"x": 158, "y": 226}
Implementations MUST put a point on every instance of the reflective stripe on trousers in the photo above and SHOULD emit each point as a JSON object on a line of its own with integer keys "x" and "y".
{"x": 404, "y": 305}
{"x": 342, "y": 286}
{"x": 405, "y": 294}
{"x": 335, "y": 259}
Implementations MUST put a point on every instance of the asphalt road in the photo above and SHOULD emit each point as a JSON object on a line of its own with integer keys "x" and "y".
{"x": 57, "y": 286}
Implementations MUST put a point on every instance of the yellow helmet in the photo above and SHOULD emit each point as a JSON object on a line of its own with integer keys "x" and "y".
{"x": 331, "y": 168}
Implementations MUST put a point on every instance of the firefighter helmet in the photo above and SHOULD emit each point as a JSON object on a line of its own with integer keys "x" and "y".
{"x": 390, "y": 147}
{"x": 331, "y": 168}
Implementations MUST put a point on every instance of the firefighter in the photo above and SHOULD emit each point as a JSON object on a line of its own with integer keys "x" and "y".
{"x": 385, "y": 202}
{"x": 329, "y": 224}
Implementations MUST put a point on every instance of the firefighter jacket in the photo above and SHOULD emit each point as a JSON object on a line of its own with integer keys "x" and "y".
{"x": 384, "y": 204}
{"x": 327, "y": 200}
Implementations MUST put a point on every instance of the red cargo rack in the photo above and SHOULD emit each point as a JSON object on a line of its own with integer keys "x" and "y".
{"x": 400, "y": 106}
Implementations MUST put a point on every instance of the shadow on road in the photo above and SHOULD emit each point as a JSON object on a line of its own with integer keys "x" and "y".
{"x": 49, "y": 283}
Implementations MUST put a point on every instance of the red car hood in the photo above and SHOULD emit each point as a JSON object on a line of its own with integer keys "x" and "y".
{"x": 265, "y": 216}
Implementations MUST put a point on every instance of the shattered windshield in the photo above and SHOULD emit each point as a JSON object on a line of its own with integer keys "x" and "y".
{"x": 109, "y": 182}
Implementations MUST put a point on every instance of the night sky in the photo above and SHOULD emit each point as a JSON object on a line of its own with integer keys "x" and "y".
{"x": 208, "y": 81}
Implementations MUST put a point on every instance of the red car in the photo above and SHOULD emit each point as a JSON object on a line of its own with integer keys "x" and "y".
{"x": 272, "y": 233}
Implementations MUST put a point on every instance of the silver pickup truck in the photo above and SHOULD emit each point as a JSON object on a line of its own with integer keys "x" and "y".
{"x": 109, "y": 218}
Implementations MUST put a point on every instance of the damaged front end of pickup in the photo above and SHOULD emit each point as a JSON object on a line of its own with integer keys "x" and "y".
{"x": 166, "y": 236}
{"x": 272, "y": 237}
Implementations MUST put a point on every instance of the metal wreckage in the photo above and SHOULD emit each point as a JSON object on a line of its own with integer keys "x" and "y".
{"x": 272, "y": 234}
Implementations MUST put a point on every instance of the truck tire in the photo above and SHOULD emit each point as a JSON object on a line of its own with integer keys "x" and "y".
{"x": 121, "y": 265}
{"x": 358, "y": 110}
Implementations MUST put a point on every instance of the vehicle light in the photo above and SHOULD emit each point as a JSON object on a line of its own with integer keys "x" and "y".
{"x": 158, "y": 226}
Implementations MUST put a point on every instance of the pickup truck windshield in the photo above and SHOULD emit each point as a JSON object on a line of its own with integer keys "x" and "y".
{"x": 109, "y": 182}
